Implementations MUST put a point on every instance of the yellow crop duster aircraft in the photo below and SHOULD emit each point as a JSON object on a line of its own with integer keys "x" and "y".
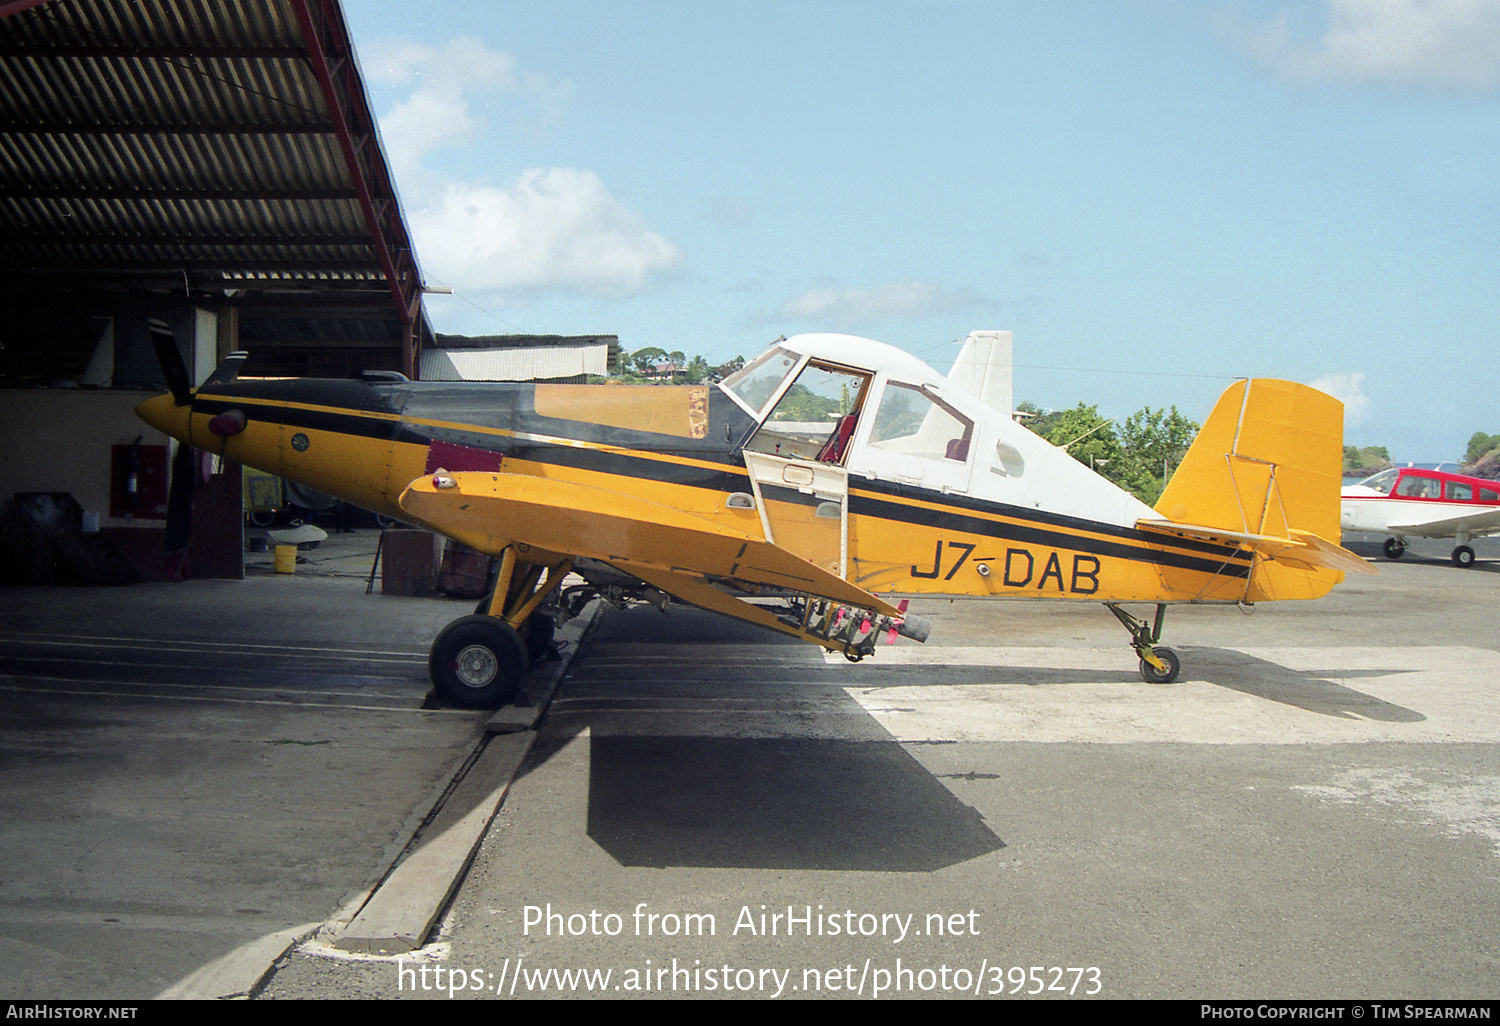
{"x": 718, "y": 497}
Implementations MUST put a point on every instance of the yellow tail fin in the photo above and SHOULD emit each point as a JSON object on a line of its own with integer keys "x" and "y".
{"x": 1265, "y": 471}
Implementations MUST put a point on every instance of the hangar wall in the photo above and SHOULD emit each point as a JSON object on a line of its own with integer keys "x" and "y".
{"x": 76, "y": 438}
{"x": 60, "y": 440}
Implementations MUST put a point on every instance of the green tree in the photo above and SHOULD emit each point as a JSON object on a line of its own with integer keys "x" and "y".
{"x": 696, "y": 370}
{"x": 1086, "y": 435}
{"x": 802, "y": 404}
{"x": 1152, "y": 444}
{"x": 1138, "y": 456}
{"x": 1479, "y": 445}
{"x": 643, "y": 360}
{"x": 1366, "y": 461}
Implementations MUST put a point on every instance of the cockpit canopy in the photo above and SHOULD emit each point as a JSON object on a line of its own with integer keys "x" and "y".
{"x": 882, "y": 413}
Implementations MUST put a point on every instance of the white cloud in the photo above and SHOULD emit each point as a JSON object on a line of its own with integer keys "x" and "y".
{"x": 443, "y": 83}
{"x": 553, "y": 230}
{"x": 1348, "y": 388}
{"x": 846, "y": 307}
{"x": 1449, "y": 44}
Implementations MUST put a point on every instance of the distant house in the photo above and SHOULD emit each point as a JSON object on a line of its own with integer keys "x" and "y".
{"x": 555, "y": 358}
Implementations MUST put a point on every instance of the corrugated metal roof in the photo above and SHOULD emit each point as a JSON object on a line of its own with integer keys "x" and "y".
{"x": 533, "y": 363}
{"x": 219, "y": 148}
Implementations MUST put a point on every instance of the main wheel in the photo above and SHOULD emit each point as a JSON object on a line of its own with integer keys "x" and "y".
{"x": 1463, "y": 556}
{"x": 477, "y": 662}
{"x": 1394, "y": 548}
{"x": 537, "y": 632}
{"x": 1151, "y": 675}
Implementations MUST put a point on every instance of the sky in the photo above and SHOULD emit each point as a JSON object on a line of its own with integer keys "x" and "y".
{"x": 1155, "y": 196}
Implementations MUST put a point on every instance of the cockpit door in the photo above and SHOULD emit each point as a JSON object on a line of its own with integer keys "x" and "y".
{"x": 796, "y": 457}
{"x": 804, "y": 507}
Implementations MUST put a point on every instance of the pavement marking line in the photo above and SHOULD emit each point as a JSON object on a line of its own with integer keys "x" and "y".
{"x": 189, "y": 645}
{"x": 1250, "y": 695}
{"x": 87, "y": 688}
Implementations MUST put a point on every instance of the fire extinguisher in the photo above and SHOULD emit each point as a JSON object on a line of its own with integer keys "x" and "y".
{"x": 133, "y": 474}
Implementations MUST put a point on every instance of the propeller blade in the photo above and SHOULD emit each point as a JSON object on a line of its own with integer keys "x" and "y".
{"x": 228, "y": 370}
{"x": 170, "y": 359}
{"x": 179, "y": 514}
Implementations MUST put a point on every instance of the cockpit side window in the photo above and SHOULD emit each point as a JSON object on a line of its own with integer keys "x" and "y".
{"x": 915, "y": 422}
{"x": 1414, "y": 486}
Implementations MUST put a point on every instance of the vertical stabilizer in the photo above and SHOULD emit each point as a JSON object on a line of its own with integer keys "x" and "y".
{"x": 983, "y": 368}
{"x": 1268, "y": 463}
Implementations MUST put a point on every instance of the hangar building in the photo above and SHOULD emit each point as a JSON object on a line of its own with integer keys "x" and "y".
{"x": 213, "y": 164}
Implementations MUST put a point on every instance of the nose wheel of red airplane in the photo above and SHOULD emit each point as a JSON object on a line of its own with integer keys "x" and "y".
{"x": 477, "y": 662}
{"x": 1394, "y": 548}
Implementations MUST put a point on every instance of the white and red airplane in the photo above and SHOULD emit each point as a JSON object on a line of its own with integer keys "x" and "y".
{"x": 1407, "y": 502}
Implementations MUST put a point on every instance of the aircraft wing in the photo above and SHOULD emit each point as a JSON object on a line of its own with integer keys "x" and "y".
{"x": 1475, "y": 521}
{"x": 679, "y": 552}
{"x": 1299, "y": 548}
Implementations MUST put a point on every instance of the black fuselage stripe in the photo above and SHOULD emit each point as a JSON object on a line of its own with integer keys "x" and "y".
{"x": 959, "y": 515}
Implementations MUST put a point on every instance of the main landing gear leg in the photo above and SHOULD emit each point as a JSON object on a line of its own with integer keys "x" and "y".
{"x": 477, "y": 661}
{"x": 1159, "y": 664}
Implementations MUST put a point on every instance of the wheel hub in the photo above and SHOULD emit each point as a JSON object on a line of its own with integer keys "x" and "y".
{"x": 476, "y": 666}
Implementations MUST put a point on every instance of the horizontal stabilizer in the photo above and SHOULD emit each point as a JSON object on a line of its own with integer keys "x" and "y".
{"x": 1299, "y": 548}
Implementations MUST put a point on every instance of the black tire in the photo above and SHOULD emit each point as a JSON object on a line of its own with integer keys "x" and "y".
{"x": 1151, "y": 675}
{"x": 477, "y": 662}
{"x": 538, "y": 634}
{"x": 1394, "y": 548}
{"x": 1463, "y": 556}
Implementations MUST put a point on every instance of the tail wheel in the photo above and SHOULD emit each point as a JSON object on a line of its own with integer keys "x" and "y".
{"x": 1463, "y": 556}
{"x": 477, "y": 662}
{"x": 1171, "y": 666}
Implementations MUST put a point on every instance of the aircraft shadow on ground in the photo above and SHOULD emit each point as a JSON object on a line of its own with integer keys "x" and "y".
{"x": 776, "y": 803}
{"x": 1317, "y": 691}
